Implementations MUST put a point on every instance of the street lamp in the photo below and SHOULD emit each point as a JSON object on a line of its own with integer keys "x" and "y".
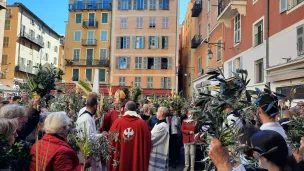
{"x": 210, "y": 53}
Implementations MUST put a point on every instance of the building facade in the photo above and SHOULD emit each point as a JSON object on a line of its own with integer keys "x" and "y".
{"x": 145, "y": 45}
{"x": 28, "y": 42}
{"x": 88, "y": 41}
{"x": 2, "y": 22}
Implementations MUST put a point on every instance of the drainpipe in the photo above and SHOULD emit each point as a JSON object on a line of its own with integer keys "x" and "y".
{"x": 20, "y": 32}
{"x": 267, "y": 39}
{"x": 176, "y": 47}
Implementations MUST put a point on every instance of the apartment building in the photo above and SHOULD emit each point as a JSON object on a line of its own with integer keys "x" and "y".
{"x": 61, "y": 54}
{"x": 88, "y": 41}
{"x": 2, "y": 22}
{"x": 145, "y": 45}
{"x": 28, "y": 42}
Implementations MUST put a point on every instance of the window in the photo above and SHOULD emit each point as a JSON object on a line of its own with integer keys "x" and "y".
{"x": 77, "y": 36}
{"x": 150, "y": 63}
{"x": 199, "y": 64}
{"x": 122, "y": 42}
{"x": 122, "y": 62}
{"x": 164, "y": 63}
{"x": 124, "y": 4}
{"x": 283, "y": 5}
{"x": 5, "y": 42}
{"x": 104, "y": 18}
{"x": 7, "y": 25}
{"x": 89, "y": 72}
{"x": 78, "y": 18}
{"x": 165, "y": 22}
{"x": 76, "y": 54}
{"x": 150, "y": 82}
{"x": 49, "y": 45}
{"x": 4, "y": 59}
{"x": 139, "y": 22}
{"x": 152, "y": 22}
{"x": 8, "y": 13}
{"x": 237, "y": 64}
{"x": 164, "y": 4}
{"x": 138, "y": 62}
{"x": 46, "y": 57}
{"x": 102, "y": 54}
{"x": 219, "y": 50}
{"x": 123, "y": 22}
{"x": 153, "y": 42}
{"x": 55, "y": 61}
{"x": 300, "y": 40}
{"x": 259, "y": 71}
{"x": 208, "y": 6}
{"x": 165, "y": 42}
{"x": 208, "y": 31}
{"x": 102, "y": 75}
{"x": 137, "y": 81}
{"x": 158, "y": 63}
{"x": 237, "y": 29}
{"x": 32, "y": 22}
{"x": 138, "y": 42}
{"x": 230, "y": 69}
{"x": 55, "y": 49}
{"x": 293, "y": 3}
{"x": 152, "y": 4}
{"x": 122, "y": 81}
{"x": 258, "y": 33}
{"x": 104, "y": 35}
{"x": 140, "y": 4}
{"x": 75, "y": 74}
{"x": 165, "y": 82}
{"x": 22, "y": 63}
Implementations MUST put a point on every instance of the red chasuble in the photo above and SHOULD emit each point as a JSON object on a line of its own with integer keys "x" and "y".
{"x": 109, "y": 119}
{"x": 130, "y": 141}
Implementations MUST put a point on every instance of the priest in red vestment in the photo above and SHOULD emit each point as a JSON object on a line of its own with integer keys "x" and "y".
{"x": 112, "y": 116}
{"x": 130, "y": 141}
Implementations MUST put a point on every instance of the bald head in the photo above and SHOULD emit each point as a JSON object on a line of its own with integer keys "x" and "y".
{"x": 131, "y": 106}
{"x": 162, "y": 112}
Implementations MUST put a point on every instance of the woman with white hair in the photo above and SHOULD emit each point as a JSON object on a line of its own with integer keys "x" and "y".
{"x": 54, "y": 154}
{"x": 14, "y": 112}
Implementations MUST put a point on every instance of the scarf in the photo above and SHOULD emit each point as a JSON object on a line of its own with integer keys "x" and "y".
{"x": 132, "y": 113}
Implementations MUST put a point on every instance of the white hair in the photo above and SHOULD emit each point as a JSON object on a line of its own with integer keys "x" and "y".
{"x": 164, "y": 110}
{"x": 12, "y": 111}
{"x": 8, "y": 126}
{"x": 57, "y": 123}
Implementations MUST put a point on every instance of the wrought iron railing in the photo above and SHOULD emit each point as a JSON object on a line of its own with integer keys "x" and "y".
{"x": 90, "y": 24}
{"x": 90, "y": 6}
{"x": 88, "y": 62}
{"x": 196, "y": 41}
{"x": 89, "y": 42}
{"x": 32, "y": 38}
{"x": 197, "y": 8}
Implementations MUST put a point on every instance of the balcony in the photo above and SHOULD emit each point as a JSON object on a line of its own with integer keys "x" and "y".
{"x": 90, "y": 24}
{"x": 31, "y": 38}
{"x": 227, "y": 9}
{"x": 86, "y": 62}
{"x": 89, "y": 42}
{"x": 197, "y": 8}
{"x": 2, "y": 4}
{"x": 89, "y": 6}
{"x": 196, "y": 41}
{"x": 26, "y": 69}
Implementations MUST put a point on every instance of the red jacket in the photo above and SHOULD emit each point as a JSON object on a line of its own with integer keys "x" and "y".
{"x": 109, "y": 120}
{"x": 186, "y": 128}
{"x": 54, "y": 155}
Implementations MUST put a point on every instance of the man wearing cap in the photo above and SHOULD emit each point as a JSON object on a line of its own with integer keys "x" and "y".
{"x": 114, "y": 114}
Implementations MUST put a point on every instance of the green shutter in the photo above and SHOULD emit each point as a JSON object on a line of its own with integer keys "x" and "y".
{"x": 160, "y": 4}
{"x": 162, "y": 82}
{"x": 143, "y": 37}
{"x": 118, "y": 42}
{"x": 117, "y": 62}
{"x": 89, "y": 74}
{"x": 134, "y": 42}
{"x": 169, "y": 83}
{"x": 128, "y": 62}
{"x": 134, "y": 5}
{"x": 102, "y": 75}
{"x": 166, "y": 42}
{"x": 145, "y": 4}
{"x": 130, "y": 5}
{"x": 170, "y": 63}
{"x": 119, "y": 4}
{"x": 128, "y": 42}
{"x": 156, "y": 42}
{"x": 145, "y": 63}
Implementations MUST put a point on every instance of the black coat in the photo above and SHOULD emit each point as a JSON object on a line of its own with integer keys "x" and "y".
{"x": 29, "y": 126}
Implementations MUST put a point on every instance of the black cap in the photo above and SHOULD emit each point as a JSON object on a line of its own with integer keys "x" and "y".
{"x": 269, "y": 103}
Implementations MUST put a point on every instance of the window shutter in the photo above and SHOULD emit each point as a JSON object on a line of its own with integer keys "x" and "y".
{"x": 119, "y": 4}
{"x": 128, "y": 62}
{"x": 300, "y": 40}
{"x": 130, "y": 5}
{"x": 145, "y": 63}
{"x": 166, "y": 42}
{"x": 162, "y": 82}
{"x": 135, "y": 5}
{"x": 283, "y": 5}
{"x": 143, "y": 42}
{"x": 134, "y": 42}
{"x": 148, "y": 82}
{"x": 117, "y": 62}
{"x": 118, "y": 42}
{"x": 102, "y": 75}
{"x": 156, "y": 42}
{"x": 169, "y": 83}
{"x": 145, "y": 4}
{"x": 128, "y": 42}
{"x": 156, "y": 63}
{"x": 160, "y": 4}
{"x": 170, "y": 63}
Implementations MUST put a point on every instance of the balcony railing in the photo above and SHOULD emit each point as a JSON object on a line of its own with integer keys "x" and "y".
{"x": 26, "y": 69}
{"x": 2, "y": 4}
{"x": 197, "y": 8}
{"x": 90, "y": 24}
{"x": 89, "y": 42}
{"x": 29, "y": 37}
{"x": 227, "y": 9}
{"x": 87, "y": 62}
{"x": 90, "y": 6}
{"x": 196, "y": 41}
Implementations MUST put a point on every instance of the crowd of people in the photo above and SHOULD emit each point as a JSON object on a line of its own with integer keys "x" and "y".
{"x": 143, "y": 137}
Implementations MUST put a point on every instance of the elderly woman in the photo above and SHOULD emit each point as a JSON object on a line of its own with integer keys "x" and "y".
{"x": 54, "y": 154}
{"x": 14, "y": 112}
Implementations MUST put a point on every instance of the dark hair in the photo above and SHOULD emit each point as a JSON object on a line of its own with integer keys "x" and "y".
{"x": 245, "y": 134}
{"x": 59, "y": 91}
{"x": 91, "y": 101}
{"x": 16, "y": 98}
{"x": 265, "y": 141}
{"x": 131, "y": 106}
{"x": 269, "y": 104}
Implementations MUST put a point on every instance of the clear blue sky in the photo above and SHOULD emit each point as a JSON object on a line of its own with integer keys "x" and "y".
{"x": 55, "y": 12}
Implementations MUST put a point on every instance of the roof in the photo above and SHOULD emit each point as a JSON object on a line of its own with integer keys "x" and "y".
{"x": 18, "y": 4}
